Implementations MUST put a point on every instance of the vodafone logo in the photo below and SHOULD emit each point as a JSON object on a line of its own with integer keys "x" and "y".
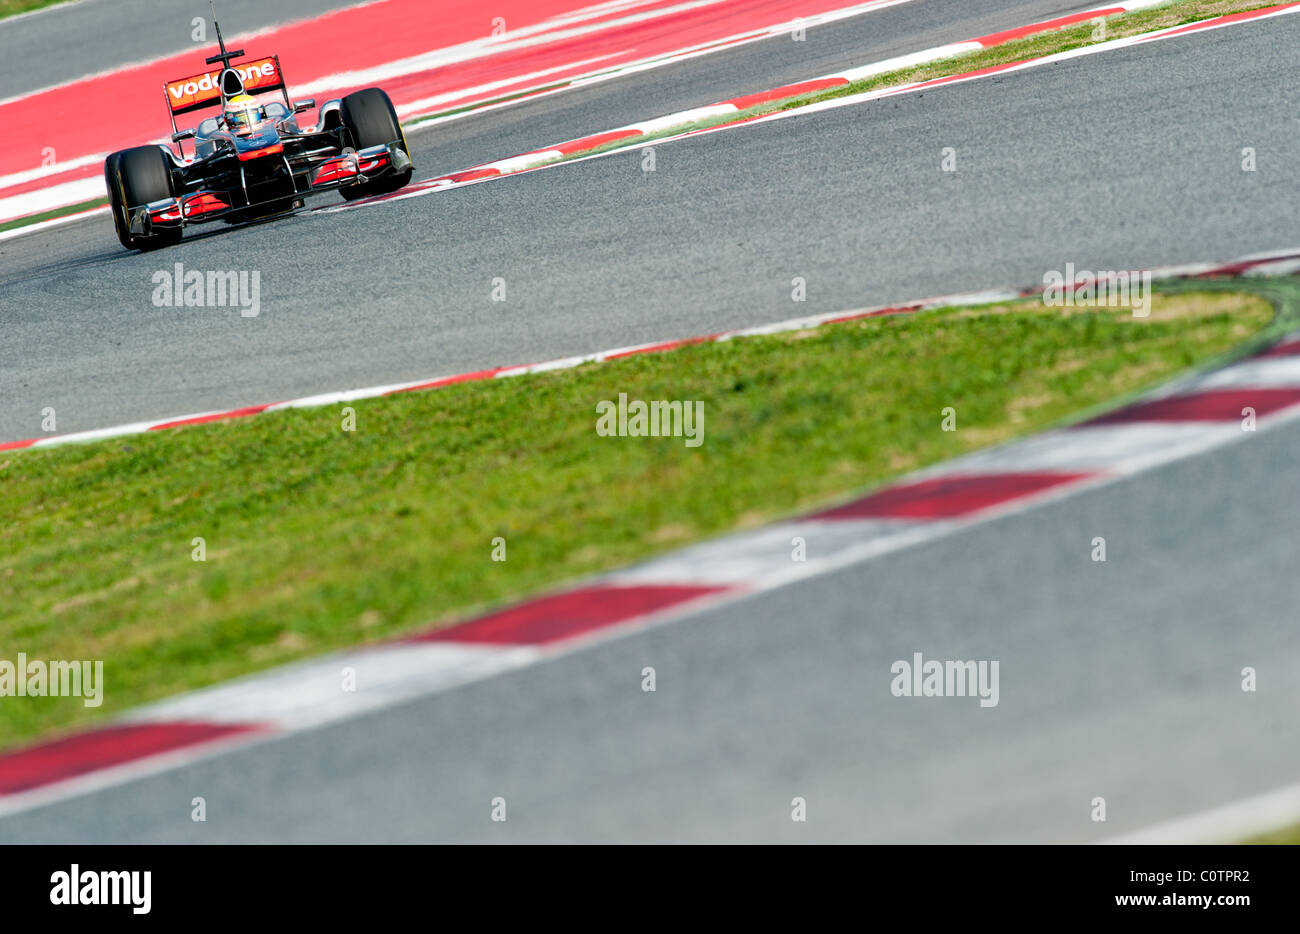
{"x": 185, "y": 92}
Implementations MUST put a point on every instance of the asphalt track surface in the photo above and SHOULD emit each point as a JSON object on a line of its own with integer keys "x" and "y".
{"x": 1119, "y": 679}
{"x": 374, "y": 297}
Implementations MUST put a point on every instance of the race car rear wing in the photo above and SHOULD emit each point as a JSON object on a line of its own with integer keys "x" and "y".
{"x": 186, "y": 95}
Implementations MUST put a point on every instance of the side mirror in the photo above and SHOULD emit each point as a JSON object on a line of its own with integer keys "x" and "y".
{"x": 300, "y": 106}
{"x": 183, "y": 134}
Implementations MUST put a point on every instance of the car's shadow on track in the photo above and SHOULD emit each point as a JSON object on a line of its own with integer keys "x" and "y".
{"x": 219, "y": 229}
{"x": 114, "y": 253}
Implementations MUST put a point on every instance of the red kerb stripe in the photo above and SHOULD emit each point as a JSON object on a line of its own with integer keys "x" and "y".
{"x": 34, "y": 766}
{"x": 549, "y": 619}
{"x": 1006, "y": 36}
{"x": 591, "y": 142}
{"x": 1223, "y": 405}
{"x": 214, "y": 417}
{"x": 1287, "y": 349}
{"x": 948, "y": 497}
{"x": 789, "y": 90}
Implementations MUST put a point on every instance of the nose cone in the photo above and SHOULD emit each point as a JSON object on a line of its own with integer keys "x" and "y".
{"x": 255, "y": 138}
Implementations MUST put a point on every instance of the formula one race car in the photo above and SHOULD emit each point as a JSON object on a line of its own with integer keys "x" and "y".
{"x": 252, "y": 160}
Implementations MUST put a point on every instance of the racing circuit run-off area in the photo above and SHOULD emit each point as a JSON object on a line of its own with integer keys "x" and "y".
{"x": 649, "y": 422}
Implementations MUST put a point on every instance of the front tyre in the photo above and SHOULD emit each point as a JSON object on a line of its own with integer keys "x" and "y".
{"x": 372, "y": 121}
{"x": 134, "y": 178}
{"x": 112, "y": 183}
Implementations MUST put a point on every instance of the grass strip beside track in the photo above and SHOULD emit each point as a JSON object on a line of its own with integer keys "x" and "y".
{"x": 319, "y": 538}
{"x": 14, "y": 7}
{"x": 51, "y": 215}
{"x": 1287, "y": 836}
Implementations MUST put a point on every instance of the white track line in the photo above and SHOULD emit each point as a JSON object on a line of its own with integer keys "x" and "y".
{"x": 1230, "y": 823}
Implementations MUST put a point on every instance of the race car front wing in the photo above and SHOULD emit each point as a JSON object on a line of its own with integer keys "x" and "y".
{"x": 353, "y": 167}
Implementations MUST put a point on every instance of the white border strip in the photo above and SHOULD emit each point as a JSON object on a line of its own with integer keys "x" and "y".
{"x": 1231, "y": 823}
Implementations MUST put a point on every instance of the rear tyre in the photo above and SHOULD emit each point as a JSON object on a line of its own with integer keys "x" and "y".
{"x": 371, "y": 120}
{"x": 136, "y": 177}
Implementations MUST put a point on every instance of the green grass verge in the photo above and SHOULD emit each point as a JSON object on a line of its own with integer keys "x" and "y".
{"x": 50, "y": 215}
{"x": 13, "y": 7}
{"x": 1288, "y": 836}
{"x": 319, "y": 538}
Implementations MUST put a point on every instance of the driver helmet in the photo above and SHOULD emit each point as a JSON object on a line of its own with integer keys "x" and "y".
{"x": 243, "y": 113}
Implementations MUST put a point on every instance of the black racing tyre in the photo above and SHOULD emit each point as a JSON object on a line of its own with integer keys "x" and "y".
{"x": 371, "y": 121}
{"x": 135, "y": 177}
{"x": 115, "y": 205}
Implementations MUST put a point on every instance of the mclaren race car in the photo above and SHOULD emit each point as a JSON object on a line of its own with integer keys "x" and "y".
{"x": 252, "y": 159}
